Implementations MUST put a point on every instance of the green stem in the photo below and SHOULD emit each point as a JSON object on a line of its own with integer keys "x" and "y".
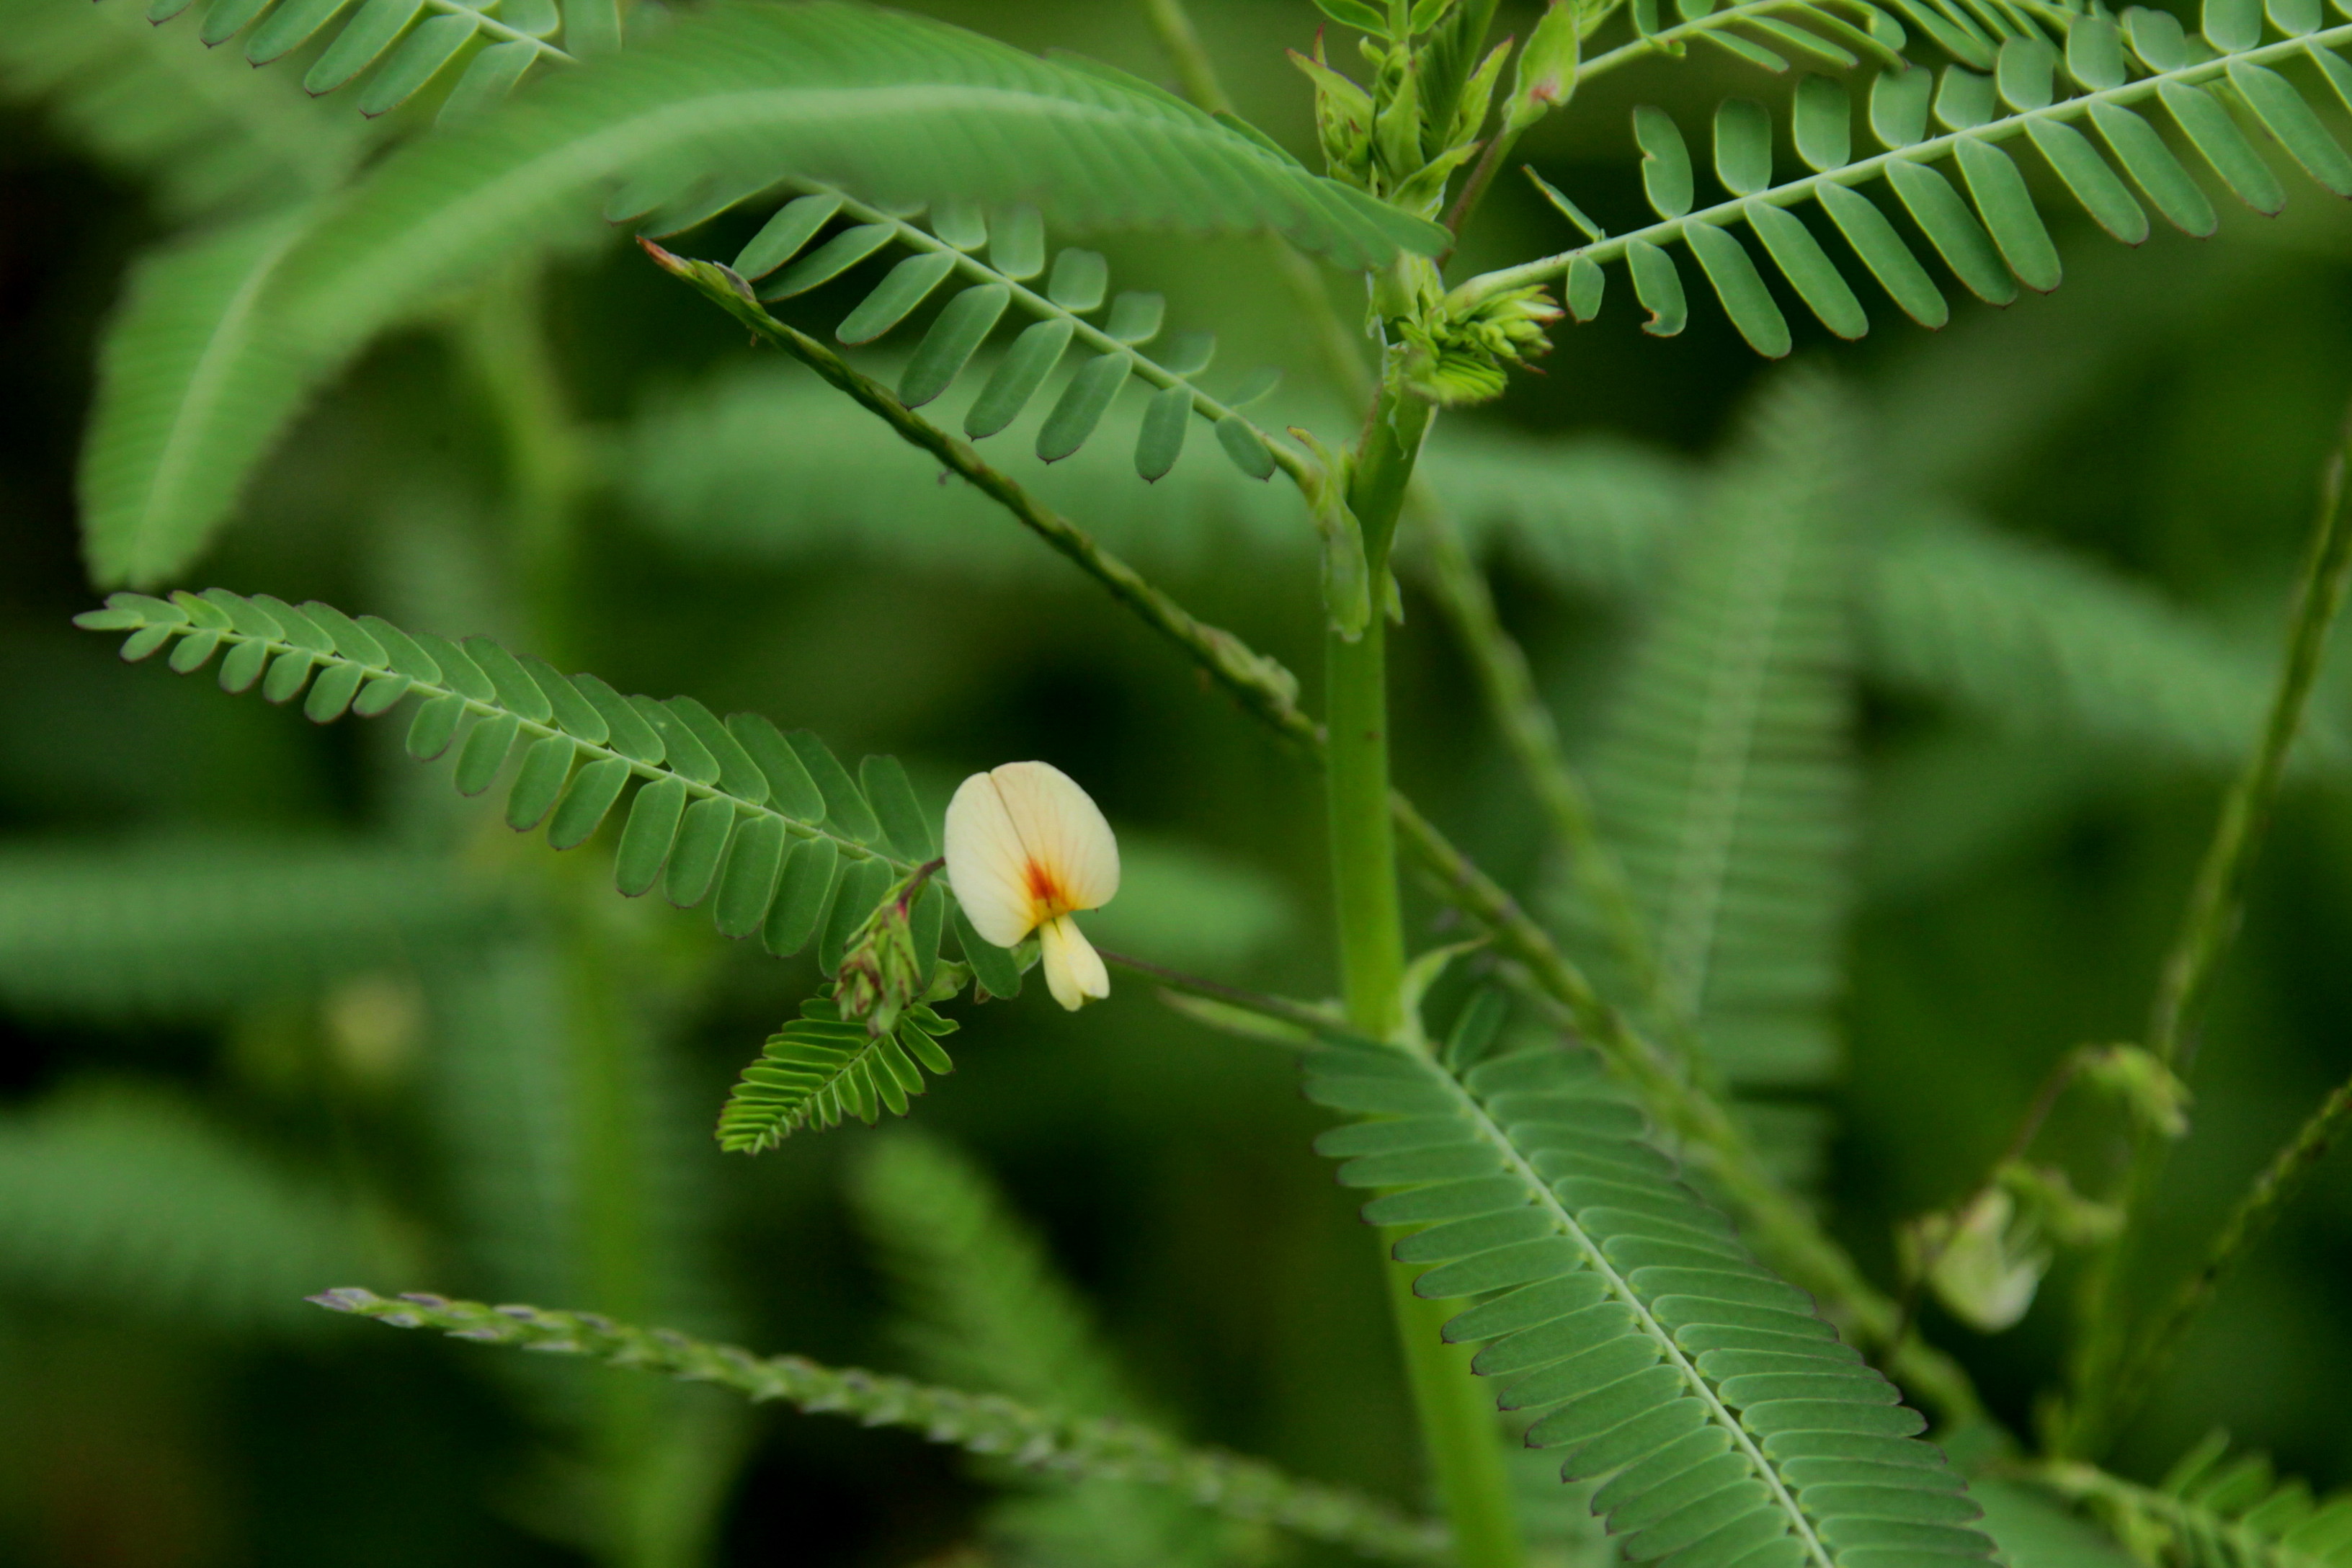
{"x": 1457, "y": 1424}
{"x": 2260, "y": 1209}
{"x": 1787, "y": 1232}
{"x": 1180, "y": 42}
{"x": 608, "y": 1186}
{"x": 2207, "y": 926}
{"x": 1473, "y": 189}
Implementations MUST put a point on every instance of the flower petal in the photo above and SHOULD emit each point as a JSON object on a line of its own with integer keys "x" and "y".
{"x": 1073, "y": 970}
{"x": 988, "y": 865}
{"x": 1064, "y": 830}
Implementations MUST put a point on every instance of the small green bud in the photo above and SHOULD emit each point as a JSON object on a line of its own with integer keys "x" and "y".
{"x": 881, "y": 974}
{"x": 1343, "y": 120}
{"x": 1347, "y": 575}
{"x": 1546, "y": 75}
{"x": 2154, "y": 1097}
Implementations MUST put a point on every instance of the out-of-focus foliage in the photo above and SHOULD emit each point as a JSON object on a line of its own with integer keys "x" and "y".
{"x": 277, "y": 1013}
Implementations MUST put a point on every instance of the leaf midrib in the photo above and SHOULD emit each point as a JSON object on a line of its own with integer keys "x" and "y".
{"x": 1142, "y": 364}
{"x": 1727, "y": 743}
{"x": 648, "y": 131}
{"x": 1489, "y": 1129}
{"x": 1726, "y": 213}
{"x": 850, "y": 848}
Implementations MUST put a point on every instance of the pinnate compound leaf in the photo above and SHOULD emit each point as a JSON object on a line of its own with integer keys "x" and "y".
{"x": 700, "y": 822}
{"x": 1950, "y": 150}
{"x": 897, "y": 108}
{"x": 194, "y": 386}
{"x": 1622, "y": 1314}
{"x": 1058, "y": 1443}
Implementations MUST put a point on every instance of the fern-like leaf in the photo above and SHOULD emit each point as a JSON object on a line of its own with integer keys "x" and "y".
{"x": 1055, "y": 1444}
{"x": 1725, "y": 777}
{"x": 192, "y": 388}
{"x": 1839, "y": 34}
{"x": 821, "y": 1067}
{"x": 768, "y": 829}
{"x": 2214, "y": 1510}
{"x": 2094, "y": 75}
{"x": 901, "y": 111}
{"x": 1727, "y": 1423}
{"x": 1075, "y": 287}
{"x": 411, "y": 44}
{"x": 169, "y": 927}
{"x": 128, "y": 1199}
{"x": 187, "y": 120}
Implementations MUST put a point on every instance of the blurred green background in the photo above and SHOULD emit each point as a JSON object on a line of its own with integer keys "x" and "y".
{"x": 334, "y": 1038}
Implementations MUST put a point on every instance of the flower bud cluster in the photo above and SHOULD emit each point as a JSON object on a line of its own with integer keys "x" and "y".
{"x": 1404, "y": 135}
{"x": 881, "y": 973}
{"x": 1456, "y": 355}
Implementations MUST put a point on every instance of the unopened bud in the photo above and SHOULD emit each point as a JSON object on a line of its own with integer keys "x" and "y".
{"x": 1547, "y": 74}
{"x": 2155, "y": 1098}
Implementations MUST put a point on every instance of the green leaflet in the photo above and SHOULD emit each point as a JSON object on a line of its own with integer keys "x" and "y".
{"x": 700, "y": 821}
{"x": 1975, "y": 122}
{"x": 193, "y": 385}
{"x": 1651, "y": 1352}
{"x": 2216, "y": 1510}
{"x": 818, "y": 1068}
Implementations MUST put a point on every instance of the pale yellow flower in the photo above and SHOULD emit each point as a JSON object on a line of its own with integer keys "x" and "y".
{"x": 1025, "y": 848}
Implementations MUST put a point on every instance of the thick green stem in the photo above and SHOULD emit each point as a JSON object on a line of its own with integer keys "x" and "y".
{"x": 2207, "y": 926}
{"x": 1457, "y": 1422}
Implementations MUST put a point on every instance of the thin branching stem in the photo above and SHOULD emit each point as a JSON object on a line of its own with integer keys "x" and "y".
{"x": 1262, "y": 685}
{"x": 2256, "y": 1213}
{"x": 1321, "y": 1022}
{"x": 1672, "y": 41}
{"x": 1072, "y": 1448}
{"x": 2208, "y": 924}
{"x": 1786, "y": 1231}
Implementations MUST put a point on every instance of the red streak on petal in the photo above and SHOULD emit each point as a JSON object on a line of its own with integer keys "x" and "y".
{"x": 1045, "y": 892}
